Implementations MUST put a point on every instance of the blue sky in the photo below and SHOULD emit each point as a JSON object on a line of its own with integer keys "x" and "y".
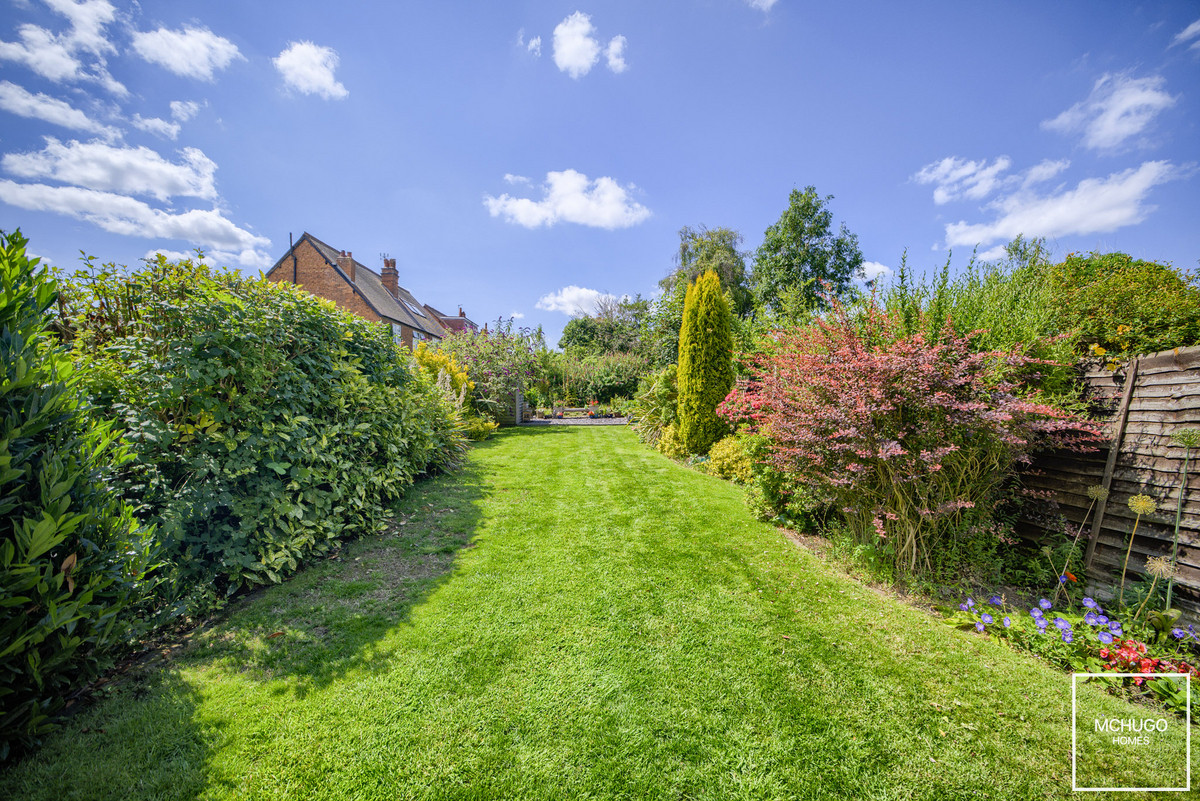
{"x": 523, "y": 158}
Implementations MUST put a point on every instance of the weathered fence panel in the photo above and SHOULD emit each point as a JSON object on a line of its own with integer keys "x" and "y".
{"x": 1155, "y": 396}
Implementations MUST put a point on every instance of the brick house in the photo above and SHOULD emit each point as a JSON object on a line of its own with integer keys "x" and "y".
{"x": 452, "y": 323}
{"x": 335, "y": 275}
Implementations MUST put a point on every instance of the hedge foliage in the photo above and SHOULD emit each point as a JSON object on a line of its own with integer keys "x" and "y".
{"x": 705, "y": 363}
{"x": 73, "y": 560}
{"x": 1122, "y": 306}
{"x": 264, "y": 422}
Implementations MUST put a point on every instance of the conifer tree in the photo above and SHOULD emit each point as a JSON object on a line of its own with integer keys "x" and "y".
{"x": 705, "y": 363}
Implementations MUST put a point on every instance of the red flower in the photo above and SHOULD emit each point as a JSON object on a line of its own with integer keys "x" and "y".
{"x": 1071, "y": 576}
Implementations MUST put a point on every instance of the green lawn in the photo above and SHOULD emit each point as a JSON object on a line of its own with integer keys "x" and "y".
{"x": 574, "y": 616}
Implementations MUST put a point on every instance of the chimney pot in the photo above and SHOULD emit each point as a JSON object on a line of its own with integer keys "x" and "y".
{"x": 346, "y": 263}
{"x": 390, "y": 278}
{"x": 460, "y": 312}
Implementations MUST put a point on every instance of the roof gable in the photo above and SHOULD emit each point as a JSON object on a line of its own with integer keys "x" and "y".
{"x": 369, "y": 286}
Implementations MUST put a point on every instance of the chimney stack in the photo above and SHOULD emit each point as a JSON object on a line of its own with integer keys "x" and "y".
{"x": 346, "y": 264}
{"x": 460, "y": 312}
{"x": 390, "y": 278}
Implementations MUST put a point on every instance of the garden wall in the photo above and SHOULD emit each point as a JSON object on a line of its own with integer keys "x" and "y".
{"x": 1147, "y": 401}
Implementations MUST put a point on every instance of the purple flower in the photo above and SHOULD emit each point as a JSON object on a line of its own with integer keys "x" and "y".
{"x": 1035, "y": 612}
{"x": 979, "y": 627}
{"x": 970, "y": 602}
{"x": 1007, "y": 622}
{"x": 995, "y": 600}
{"x": 1089, "y": 603}
{"x": 1062, "y": 624}
{"x": 1178, "y": 634}
{"x": 1105, "y": 637}
{"x": 1101, "y": 620}
{"x": 1045, "y": 604}
{"x": 1067, "y": 636}
{"x": 1062, "y": 579}
{"x": 1091, "y": 619}
{"x": 1042, "y": 623}
{"x": 986, "y": 618}
{"x": 964, "y": 607}
{"x": 1115, "y": 627}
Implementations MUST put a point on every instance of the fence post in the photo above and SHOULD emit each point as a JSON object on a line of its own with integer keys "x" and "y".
{"x": 1114, "y": 450}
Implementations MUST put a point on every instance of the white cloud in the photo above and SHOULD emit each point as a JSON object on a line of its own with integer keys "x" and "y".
{"x": 1095, "y": 205}
{"x": 182, "y": 111}
{"x": 19, "y": 101}
{"x": 126, "y": 170}
{"x": 958, "y": 179}
{"x": 573, "y": 300}
{"x": 246, "y": 258}
{"x": 761, "y": 5}
{"x": 156, "y": 126}
{"x": 59, "y": 57}
{"x": 1190, "y": 32}
{"x": 127, "y": 216}
{"x": 872, "y": 270}
{"x": 616, "y": 54}
{"x": 191, "y": 52}
{"x": 517, "y": 315}
{"x": 576, "y": 51}
{"x": 1119, "y": 107}
{"x": 1040, "y": 173}
{"x": 569, "y": 196}
{"x": 533, "y": 46}
{"x": 309, "y": 68}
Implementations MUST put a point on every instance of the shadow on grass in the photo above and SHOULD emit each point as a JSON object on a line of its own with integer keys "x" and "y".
{"x": 142, "y": 739}
{"x": 332, "y": 617}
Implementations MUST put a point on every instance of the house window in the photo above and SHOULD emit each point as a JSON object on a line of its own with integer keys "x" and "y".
{"x": 397, "y": 334}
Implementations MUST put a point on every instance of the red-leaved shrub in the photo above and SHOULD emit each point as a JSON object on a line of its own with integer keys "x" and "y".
{"x": 911, "y": 440}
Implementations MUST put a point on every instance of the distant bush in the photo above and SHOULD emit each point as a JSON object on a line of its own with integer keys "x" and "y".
{"x": 265, "y": 423}
{"x": 1123, "y": 306}
{"x": 74, "y": 562}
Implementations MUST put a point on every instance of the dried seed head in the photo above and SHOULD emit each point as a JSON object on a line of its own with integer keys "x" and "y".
{"x": 1142, "y": 505}
{"x": 1097, "y": 493}
{"x": 1046, "y": 550}
{"x": 1160, "y": 567}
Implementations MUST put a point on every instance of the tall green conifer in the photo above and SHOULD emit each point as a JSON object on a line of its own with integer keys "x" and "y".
{"x": 705, "y": 363}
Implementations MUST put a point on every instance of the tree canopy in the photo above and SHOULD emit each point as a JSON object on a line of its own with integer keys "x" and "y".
{"x": 800, "y": 255}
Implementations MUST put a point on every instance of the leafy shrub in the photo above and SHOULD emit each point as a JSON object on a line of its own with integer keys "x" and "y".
{"x": 705, "y": 363}
{"x": 670, "y": 444}
{"x": 911, "y": 441}
{"x": 435, "y": 362}
{"x": 728, "y": 459}
{"x": 1009, "y": 305}
{"x": 609, "y": 375}
{"x": 265, "y": 422}
{"x": 501, "y": 361}
{"x": 654, "y": 405}
{"x": 73, "y": 560}
{"x": 476, "y": 427}
{"x": 1125, "y": 306}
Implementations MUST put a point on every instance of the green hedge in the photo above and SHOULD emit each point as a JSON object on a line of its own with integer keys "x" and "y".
{"x": 73, "y": 560}
{"x": 266, "y": 423}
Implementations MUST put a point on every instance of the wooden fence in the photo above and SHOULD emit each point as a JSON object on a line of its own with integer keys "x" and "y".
{"x": 1148, "y": 399}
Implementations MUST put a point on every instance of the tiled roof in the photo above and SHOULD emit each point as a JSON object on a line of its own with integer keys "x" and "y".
{"x": 369, "y": 286}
